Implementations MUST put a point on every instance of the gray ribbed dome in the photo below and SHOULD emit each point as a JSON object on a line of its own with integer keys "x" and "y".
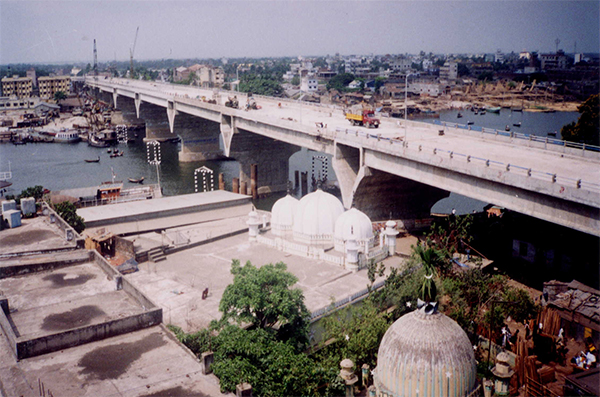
{"x": 425, "y": 352}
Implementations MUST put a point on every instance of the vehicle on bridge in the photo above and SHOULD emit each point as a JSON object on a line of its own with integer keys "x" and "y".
{"x": 364, "y": 118}
{"x": 232, "y": 102}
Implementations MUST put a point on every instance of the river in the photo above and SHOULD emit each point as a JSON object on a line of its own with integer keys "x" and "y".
{"x": 62, "y": 166}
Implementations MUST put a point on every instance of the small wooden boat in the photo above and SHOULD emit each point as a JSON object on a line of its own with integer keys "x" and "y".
{"x": 517, "y": 124}
{"x": 517, "y": 109}
{"x": 92, "y": 161}
{"x": 117, "y": 153}
{"x": 552, "y": 133}
{"x": 470, "y": 122}
{"x": 459, "y": 115}
{"x": 140, "y": 180}
{"x": 494, "y": 110}
{"x": 507, "y": 128}
{"x": 109, "y": 150}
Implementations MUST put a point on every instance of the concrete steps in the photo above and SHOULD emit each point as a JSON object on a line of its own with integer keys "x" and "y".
{"x": 156, "y": 255}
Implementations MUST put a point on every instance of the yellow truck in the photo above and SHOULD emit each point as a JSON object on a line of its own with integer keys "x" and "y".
{"x": 364, "y": 118}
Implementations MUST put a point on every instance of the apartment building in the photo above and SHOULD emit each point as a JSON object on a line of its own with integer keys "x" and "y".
{"x": 49, "y": 85}
{"x": 20, "y": 87}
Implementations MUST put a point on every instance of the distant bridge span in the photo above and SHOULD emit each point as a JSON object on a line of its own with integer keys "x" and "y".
{"x": 559, "y": 184}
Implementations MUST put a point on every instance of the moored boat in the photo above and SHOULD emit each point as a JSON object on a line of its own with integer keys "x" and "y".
{"x": 140, "y": 180}
{"x": 517, "y": 124}
{"x": 67, "y": 137}
{"x": 494, "y": 109}
{"x": 93, "y": 160}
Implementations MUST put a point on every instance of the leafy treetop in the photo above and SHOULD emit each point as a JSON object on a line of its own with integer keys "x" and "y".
{"x": 263, "y": 297}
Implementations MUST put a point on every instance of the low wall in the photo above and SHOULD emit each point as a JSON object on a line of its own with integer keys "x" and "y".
{"x": 8, "y": 329}
{"x": 78, "y": 336}
{"x": 150, "y": 316}
{"x": 20, "y": 269}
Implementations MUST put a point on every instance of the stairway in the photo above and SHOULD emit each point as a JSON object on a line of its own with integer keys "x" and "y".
{"x": 156, "y": 255}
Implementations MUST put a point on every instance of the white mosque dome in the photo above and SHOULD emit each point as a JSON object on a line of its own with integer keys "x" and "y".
{"x": 353, "y": 223}
{"x": 283, "y": 214}
{"x": 314, "y": 221}
{"x": 428, "y": 352}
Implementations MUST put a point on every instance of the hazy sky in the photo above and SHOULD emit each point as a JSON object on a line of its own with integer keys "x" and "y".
{"x": 63, "y": 31}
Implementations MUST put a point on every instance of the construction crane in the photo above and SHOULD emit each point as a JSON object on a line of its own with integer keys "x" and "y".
{"x": 95, "y": 62}
{"x": 131, "y": 51}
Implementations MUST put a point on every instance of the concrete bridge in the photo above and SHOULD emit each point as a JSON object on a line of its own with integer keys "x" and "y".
{"x": 400, "y": 169}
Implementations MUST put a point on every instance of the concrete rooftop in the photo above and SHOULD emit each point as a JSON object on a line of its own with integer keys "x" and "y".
{"x": 149, "y": 362}
{"x": 176, "y": 284}
{"x": 165, "y": 212}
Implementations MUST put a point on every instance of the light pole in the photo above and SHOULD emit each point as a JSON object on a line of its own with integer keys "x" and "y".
{"x": 406, "y": 105}
{"x": 154, "y": 158}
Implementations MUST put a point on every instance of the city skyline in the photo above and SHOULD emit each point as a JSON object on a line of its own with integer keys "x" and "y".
{"x": 63, "y": 31}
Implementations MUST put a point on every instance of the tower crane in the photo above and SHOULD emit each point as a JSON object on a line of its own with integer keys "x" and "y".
{"x": 131, "y": 51}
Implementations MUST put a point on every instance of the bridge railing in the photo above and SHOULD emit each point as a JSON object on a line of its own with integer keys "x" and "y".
{"x": 513, "y": 168}
{"x": 544, "y": 142}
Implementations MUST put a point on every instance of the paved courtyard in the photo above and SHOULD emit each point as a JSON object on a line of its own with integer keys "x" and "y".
{"x": 177, "y": 284}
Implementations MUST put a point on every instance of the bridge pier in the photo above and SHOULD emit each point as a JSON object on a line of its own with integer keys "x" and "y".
{"x": 379, "y": 194}
{"x": 271, "y": 158}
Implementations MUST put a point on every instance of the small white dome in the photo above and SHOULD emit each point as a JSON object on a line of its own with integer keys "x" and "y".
{"x": 314, "y": 221}
{"x": 356, "y": 223}
{"x": 282, "y": 215}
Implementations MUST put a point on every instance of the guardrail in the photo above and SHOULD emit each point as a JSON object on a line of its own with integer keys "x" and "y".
{"x": 526, "y": 171}
{"x": 549, "y": 143}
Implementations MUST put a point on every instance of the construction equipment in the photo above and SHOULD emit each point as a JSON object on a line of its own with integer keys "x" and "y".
{"x": 232, "y": 102}
{"x": 131, "y": 51}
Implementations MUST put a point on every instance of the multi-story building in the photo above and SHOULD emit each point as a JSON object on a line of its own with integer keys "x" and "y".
{"x": 449, "y": 72}
{"x": 205, "y": 75}
{"x": 50, "y": 85}
{"x": 31, "y": 73}
{"x": 16, "y": 86}
{"x": 309, "y": 83}
{"x": 554, "y": 61}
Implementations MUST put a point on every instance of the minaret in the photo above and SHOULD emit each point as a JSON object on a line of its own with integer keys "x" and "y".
{"x": 390, "y": 237}
{"x": 253, "y": 223}
{"x": 352, "y": 253}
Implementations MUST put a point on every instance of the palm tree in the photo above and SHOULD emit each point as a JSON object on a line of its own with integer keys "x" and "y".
{"x": 432, "y": 259}
{"x": 59, "y": 96}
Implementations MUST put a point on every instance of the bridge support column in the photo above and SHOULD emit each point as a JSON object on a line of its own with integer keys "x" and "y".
{"x": 379, "y": 194}
{"x": 114, "y": 97}
{"x": 171, "y": 113}
{"x": 128, "y": 111}
{"x": 270, "y": 157}
{"x": 137, "y": 101}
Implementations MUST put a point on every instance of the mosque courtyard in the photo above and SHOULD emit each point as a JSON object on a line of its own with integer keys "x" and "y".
{"x": 177, "y": 283}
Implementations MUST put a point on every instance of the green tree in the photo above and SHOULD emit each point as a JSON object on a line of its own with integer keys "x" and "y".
{"x": 355, "y": 333}
{"x": 340, "y": 82}
{"x": 67, "y": 211}
{"x": 295, "y": 80}
{"x": 272, "y": 367}
{"x": 263, "y": 298}
{"x": 587, "y": 128}
{"x": 463, "y": 70}
{"x": 260, "y": 85}
{"x": 36, "y": 192}
{"x": 432, "y": 260}
{"x": 59, "y": 96}
{"x": 450, "y": 235}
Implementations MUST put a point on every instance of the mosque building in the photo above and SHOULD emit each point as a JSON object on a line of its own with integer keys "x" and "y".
{"x": 317, "y": 226}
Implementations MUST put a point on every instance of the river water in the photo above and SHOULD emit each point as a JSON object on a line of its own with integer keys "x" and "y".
{"x": 62, "y": 166}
